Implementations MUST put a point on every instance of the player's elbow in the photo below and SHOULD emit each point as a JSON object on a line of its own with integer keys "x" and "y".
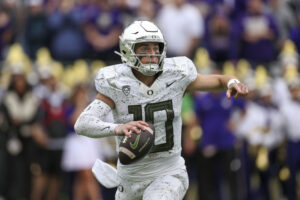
{"x": 79, "y": 127}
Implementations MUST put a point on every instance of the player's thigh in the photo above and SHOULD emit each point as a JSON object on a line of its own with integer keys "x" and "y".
{"x": 170, "y": 187}
{"x": 131, "y": 190}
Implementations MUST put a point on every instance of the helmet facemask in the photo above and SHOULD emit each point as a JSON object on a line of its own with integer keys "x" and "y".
{"x": 149, "y": 69}
{"x": 145, "y": 34}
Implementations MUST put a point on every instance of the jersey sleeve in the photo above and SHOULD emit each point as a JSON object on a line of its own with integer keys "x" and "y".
{"x": 104, "y": 82}
{"x": 188, "y": 71}
{"x": 192, "y": 71}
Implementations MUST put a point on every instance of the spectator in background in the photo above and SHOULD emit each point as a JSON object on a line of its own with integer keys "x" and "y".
{"x": 217, "y": 156}
{"x": 36, "y": 31}
{"x": 19, "y": 108}
{"x": 258, "y": 35}
{"x": 183, "y": 27}
{"x": 146, "y": 10}
{"x": 66, "y": 39}
{"x": 262, "y": 128}
{"x": 240, "y": 124}
{"x": 290, "y": 111}
{"x": 284, "y": 16}
{"x": 267, "y": 137}
{"x": 102, "y": 29}
{"x": 49, "y": 134}
{"x": 295, "y": 32}
{"x": 3, "y": 130}
{"x": 225, "y": 5}
{"x": 240, "y": 8}
{"x": 80, "y": 152}
{"x": 6, "y": 35}
{"x": 218, "y": 37}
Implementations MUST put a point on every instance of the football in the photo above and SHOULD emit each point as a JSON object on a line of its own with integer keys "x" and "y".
{"x": 137, "y": 146}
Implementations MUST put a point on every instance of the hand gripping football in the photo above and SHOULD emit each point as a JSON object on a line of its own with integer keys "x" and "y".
{"x": 136, "y": 147}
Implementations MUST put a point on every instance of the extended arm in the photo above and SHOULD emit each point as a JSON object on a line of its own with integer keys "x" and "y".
{"x": 218, "y": 83}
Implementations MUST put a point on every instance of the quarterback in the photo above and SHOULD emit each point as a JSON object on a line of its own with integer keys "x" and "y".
{"x": 147, "y": 86}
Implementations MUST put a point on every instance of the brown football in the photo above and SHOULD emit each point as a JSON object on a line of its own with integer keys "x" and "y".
{"x": 137, "y": 146}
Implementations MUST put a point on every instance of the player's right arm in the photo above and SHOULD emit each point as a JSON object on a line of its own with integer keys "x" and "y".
{"x": 91, "y": 121}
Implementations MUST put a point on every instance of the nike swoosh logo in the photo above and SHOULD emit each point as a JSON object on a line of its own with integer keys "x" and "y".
{"x": 135, "y": 144}
{"x": 104, "y": 128}
{"x": 169, "y": 84}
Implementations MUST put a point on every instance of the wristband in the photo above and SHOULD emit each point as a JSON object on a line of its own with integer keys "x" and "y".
{"x": 231, "y": 82}
{"x": 117, "y": 129}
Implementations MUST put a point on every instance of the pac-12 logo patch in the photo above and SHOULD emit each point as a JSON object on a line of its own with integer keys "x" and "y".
{"x": 126, "y": 89}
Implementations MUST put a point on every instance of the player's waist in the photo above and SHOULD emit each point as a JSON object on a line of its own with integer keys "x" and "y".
{"x": 151, "y": 167}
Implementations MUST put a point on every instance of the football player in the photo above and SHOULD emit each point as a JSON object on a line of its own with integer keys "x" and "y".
{"x": 147, "y": 86}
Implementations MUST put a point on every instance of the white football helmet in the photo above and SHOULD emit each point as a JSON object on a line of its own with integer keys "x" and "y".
{"x": 140, "y": 32}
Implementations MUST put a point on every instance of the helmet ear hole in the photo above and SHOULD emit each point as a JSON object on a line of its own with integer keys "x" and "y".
{"x": 161, "y": 47}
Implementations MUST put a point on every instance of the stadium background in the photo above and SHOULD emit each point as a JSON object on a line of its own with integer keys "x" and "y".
{"x": 50, "y": 51}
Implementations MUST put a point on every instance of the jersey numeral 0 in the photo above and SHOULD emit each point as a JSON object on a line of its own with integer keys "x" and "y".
{"x": 150, "y": 108}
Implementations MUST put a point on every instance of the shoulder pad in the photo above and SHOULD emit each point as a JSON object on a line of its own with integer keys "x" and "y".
{"x": 108, "y": 72}
{"x": 178, "y": 63}
{"x": 106, "y": 79}
{"x": 181, "y": 67}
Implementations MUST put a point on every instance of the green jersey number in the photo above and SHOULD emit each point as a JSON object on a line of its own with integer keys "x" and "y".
{"x": 167, "y": 106}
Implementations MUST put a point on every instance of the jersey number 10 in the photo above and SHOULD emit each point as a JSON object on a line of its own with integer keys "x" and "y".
{"x": 150, "y": 108}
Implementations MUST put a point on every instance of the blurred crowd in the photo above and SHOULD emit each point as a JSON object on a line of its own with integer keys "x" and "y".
{"x": 240, "y": 149}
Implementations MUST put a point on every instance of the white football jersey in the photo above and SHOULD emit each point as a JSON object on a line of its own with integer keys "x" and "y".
{"x": 160, "y": 103}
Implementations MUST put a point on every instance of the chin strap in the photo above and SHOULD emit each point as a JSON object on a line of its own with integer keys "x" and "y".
{"x": 118, "y": 53}
{"x": 145, "y": 72}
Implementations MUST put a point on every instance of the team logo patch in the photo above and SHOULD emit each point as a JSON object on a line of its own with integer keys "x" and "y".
{"x": 126, "y": 89}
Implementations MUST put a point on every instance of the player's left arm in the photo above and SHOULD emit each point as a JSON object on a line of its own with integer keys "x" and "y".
{"x": 216, "y": 82}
